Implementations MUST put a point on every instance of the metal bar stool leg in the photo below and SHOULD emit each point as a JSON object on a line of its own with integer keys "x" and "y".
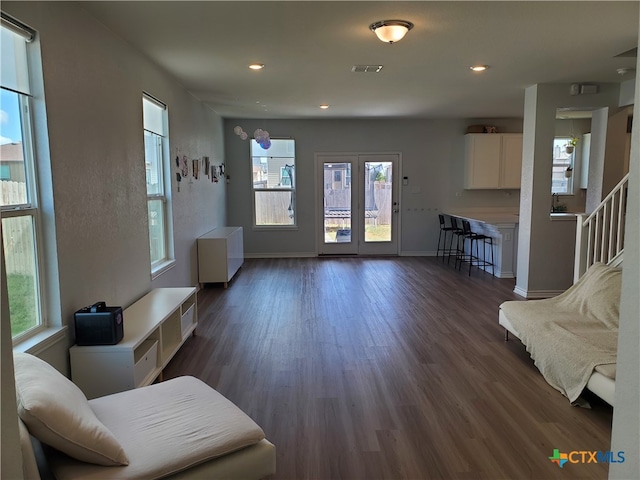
{"x": 473, "y": 239}
{"x": 459, "y": 252}
{"x": 493, "y": 265}
{"x": 455, "y": 231}
{"x": 439, "y": 238}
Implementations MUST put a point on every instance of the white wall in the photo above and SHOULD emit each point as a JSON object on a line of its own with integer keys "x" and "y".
{"x": 93, "y": 84}
{"x": 432, "y": 159}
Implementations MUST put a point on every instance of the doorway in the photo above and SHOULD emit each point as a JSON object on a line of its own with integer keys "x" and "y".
{"x": 358, "y": 203}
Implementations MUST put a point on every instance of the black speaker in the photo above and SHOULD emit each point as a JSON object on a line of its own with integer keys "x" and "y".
{"x": 98, "y": 324}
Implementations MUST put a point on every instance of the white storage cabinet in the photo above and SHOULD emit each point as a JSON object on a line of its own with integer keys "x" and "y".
{"x": 155, "y": 327}
{"x": 220, "y": 255}
{"x": 493, "y": 160}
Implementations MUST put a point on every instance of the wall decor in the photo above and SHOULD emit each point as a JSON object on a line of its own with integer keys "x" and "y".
{"x": 261, "y": 137}
{"x": 196, "y": 167}
{"x": 185, "y": 166}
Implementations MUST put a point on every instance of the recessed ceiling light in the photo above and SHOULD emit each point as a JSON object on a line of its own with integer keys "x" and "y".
{"x": 479, "y": 68}
{"x": 256, "y": 66}
{"x": 324, "y": 106}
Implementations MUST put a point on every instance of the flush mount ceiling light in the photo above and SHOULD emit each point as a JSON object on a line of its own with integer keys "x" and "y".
{"x": 391, "y": 31}
{"x": 479, "y": 68}
{"x": 324, "y": 106}
{"x": 256, "y": 66}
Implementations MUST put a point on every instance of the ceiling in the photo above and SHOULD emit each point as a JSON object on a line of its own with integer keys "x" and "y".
{"x": 309, "y": 49}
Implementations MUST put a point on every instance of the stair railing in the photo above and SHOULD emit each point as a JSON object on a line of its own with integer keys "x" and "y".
{"x": 600, "y": 236}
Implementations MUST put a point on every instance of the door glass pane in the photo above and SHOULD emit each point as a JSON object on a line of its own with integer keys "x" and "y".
{"x": 377, "y": 201}
{"x": 337, "y": 202}
{"x": 22, "y": 281}
{"x": 156, "y": 230}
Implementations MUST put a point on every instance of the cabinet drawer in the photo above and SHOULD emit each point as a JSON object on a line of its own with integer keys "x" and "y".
{"x": 187, "y": 318}
{"x": 146, "y": 361}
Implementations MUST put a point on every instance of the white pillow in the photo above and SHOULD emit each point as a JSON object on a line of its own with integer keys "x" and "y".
{"x": 57, "y": 413}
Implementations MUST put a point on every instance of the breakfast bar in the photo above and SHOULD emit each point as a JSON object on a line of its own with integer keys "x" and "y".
{"x": 503, "y": 228}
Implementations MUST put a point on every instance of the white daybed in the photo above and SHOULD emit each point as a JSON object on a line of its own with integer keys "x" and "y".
{"x": 179, "y": 429}
{"x": 573, "y": 337}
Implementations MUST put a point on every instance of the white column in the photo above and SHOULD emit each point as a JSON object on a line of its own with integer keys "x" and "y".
{"x": 625, "y": 434}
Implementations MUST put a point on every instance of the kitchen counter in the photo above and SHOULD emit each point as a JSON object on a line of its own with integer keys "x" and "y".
{"x": 491, "y": 218}
{"x": 502, "y": 226}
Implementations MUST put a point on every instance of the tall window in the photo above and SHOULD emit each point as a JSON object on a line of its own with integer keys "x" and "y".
{"x": 18, "y": 185}
{"x": 561, "y": 182}
{"x": 274, "y": 183}
{"x": 156, "y": 166}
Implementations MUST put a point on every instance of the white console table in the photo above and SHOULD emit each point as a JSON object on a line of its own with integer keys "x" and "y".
{"x": 220, "y": 255}
{"x": 155, "y": 327}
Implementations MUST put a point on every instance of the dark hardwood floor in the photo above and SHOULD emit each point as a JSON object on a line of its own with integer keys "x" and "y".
{"x": 394, "y": 368}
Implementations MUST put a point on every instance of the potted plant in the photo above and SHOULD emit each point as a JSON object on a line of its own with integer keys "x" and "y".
{"x": 571, "y": 144}
{"x": 568, "y": 172}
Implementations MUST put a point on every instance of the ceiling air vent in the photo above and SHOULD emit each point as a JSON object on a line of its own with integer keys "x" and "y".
{"x": 366, "y": 68}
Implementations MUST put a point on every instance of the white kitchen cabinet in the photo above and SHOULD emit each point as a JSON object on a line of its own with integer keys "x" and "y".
{"x": 220, "y": 255}
{"x": 155, "y": 327}
{"x": 493, "y": 160}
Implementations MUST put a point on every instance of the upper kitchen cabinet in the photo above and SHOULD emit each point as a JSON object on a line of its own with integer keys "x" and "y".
{"x": 493, "y": 160}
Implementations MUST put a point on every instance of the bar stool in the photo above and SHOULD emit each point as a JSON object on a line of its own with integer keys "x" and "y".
{"x": 443, "y": 233}
{"x": 462, "y": 256}
{"x": 456, "y": 231}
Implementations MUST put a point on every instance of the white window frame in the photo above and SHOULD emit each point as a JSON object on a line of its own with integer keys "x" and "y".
{"x": 31, "y": 207}
{"x": 166, "y": 262}
{"x": 288, "y": 188}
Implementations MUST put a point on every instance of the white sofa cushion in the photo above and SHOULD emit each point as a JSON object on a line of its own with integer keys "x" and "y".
{"x": 57, "y": 413}
{"x": 166, "y": 428}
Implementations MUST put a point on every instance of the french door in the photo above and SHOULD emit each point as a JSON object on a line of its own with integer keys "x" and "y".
{"x": 358, "y": 203}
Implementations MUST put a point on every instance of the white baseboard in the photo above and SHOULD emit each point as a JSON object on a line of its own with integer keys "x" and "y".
{"x": 281, "y": 255}
{"x": 420, "y": 253}
{"x": 536, "y": 294}
{"x": 501, "y": 274}
{"x": 314, "y": 254}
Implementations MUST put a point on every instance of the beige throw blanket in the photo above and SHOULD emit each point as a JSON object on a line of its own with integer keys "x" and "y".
{"x": 569, "y": 335}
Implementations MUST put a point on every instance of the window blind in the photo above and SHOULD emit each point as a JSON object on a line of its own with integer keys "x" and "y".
{"x": 14, "y": 71}
{"x": 153, "y": 114}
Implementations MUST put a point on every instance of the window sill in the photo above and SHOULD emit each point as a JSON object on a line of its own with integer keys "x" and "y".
{"x": 42, "y": 340}
{"x": 162, "y": 268}
{"x": 563, "y": 216}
